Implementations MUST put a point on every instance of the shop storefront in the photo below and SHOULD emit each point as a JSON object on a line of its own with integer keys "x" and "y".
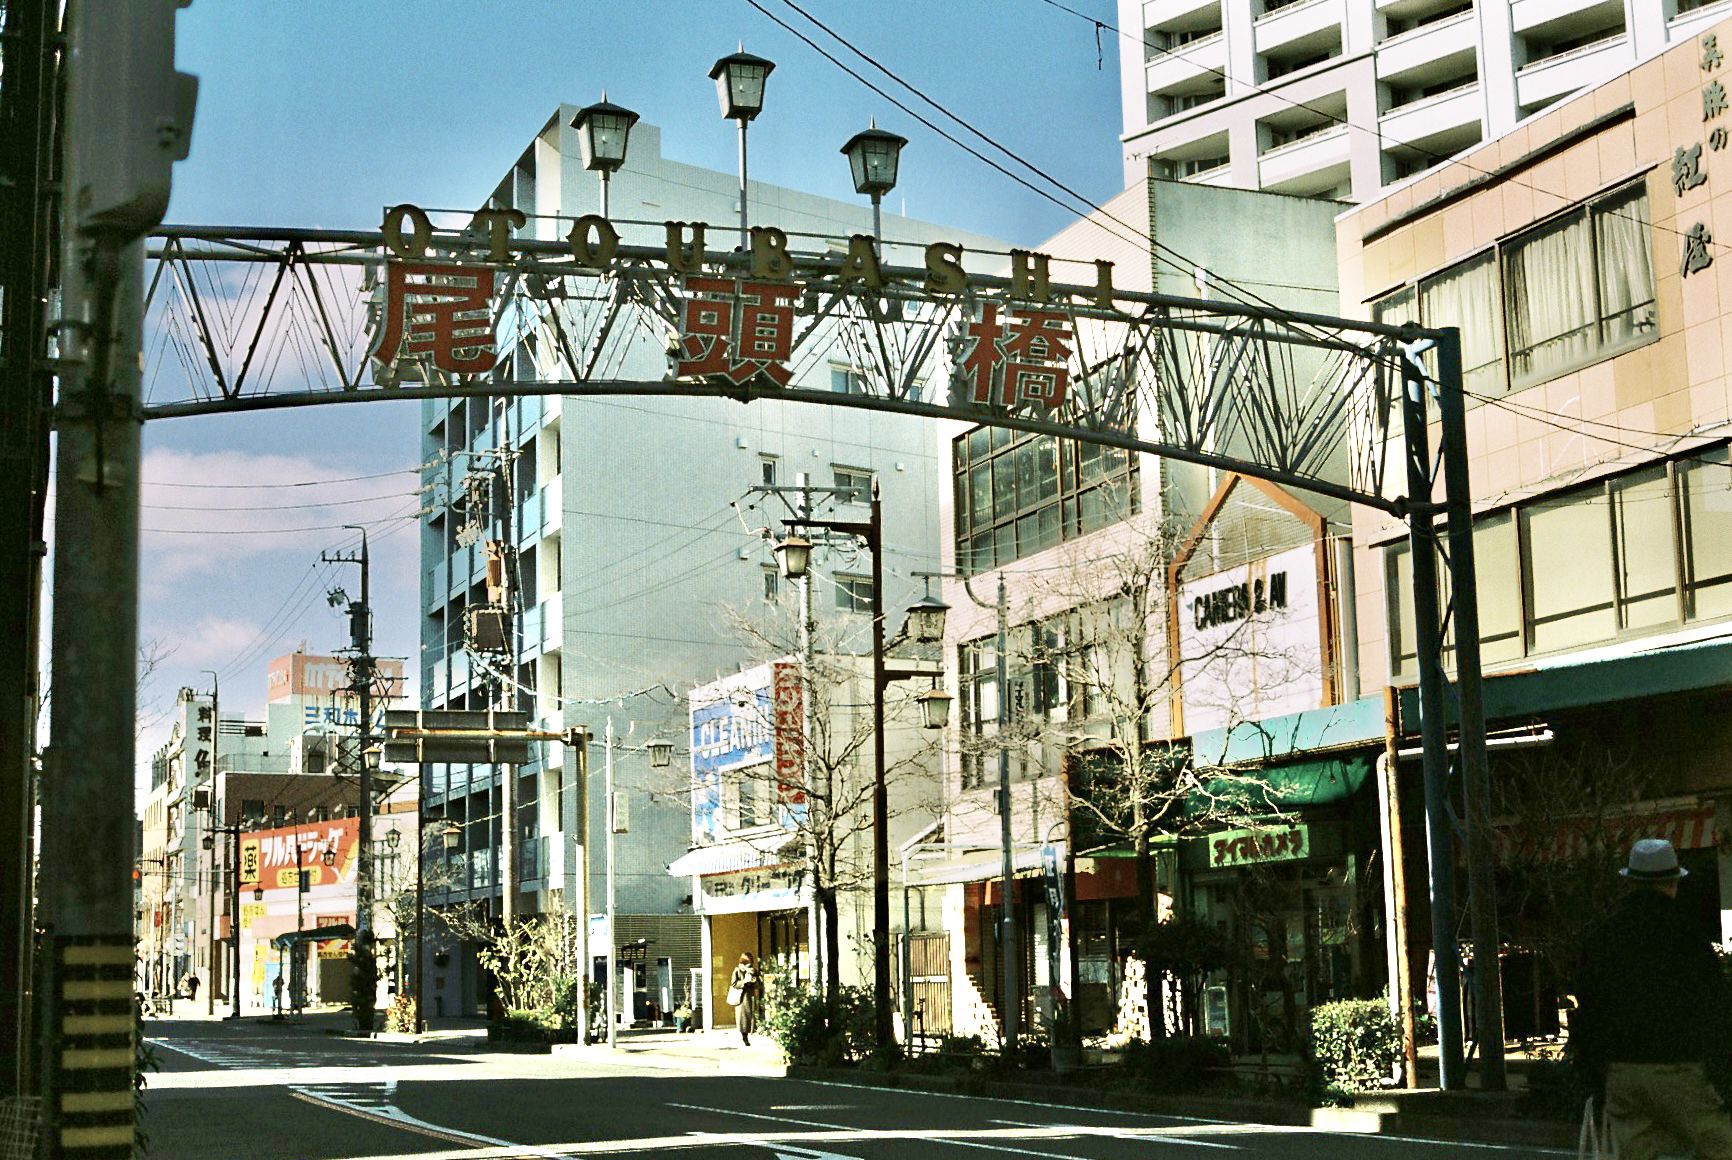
{"x": 1294, "y": 893}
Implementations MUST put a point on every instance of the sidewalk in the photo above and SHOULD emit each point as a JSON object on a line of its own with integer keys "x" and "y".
{"x": 718, "y": 1050}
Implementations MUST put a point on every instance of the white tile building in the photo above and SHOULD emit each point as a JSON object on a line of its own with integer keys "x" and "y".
{"x": 1343, "y": 97}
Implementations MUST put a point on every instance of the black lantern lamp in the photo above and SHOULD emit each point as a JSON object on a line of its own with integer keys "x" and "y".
{"x": 740, "y": 81}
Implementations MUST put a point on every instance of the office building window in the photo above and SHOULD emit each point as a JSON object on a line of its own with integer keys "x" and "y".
{"x": 853, "y": 593}
{"x": 1019, "y": 494}
{"x": 853, "y": 485}
{"x": 767, "y": 469}
{"x": 772, "y": 582}
{"x": 1632, "y": 554}
{"x": 847, "y": 381}
{"x": 1569, "y": 292}
{"x": 1580, "y": 288}
{"x": 1705, "y": 493}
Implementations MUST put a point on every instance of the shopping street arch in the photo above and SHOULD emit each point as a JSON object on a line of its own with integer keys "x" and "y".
{"x": 1366, "y": 413}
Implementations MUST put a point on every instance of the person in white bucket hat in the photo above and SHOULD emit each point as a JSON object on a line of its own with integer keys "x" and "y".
{"x": 1652, "y": 1010}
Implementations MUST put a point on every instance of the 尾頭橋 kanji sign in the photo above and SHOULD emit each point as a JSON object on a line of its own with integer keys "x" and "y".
{"x": 419, "y": 310}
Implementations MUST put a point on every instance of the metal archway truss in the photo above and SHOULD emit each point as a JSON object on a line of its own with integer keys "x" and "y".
{"x": 250, "y": 319}
{"x": 256, "y": 319}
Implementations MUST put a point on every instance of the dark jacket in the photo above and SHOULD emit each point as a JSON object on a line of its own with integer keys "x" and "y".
{"x": 1649, "y": 988}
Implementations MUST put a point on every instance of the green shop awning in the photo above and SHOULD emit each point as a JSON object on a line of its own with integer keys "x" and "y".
{"x": 1291, "y": 785}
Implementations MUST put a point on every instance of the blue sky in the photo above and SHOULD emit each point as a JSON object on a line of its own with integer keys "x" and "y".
{"x": 319, "y": 113}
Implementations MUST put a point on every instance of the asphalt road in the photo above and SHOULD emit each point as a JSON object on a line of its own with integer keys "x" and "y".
{"x": 260, "y": 1092}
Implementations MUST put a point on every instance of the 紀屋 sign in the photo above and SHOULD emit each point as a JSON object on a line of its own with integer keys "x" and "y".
{"x": 734, "y": 330}
{"x": 1249, "y": 644}
{"x": 1244, "y": 847}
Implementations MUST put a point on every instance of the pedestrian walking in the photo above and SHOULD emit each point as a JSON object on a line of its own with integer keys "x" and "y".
{"x": 1651, "y": 1012}
{"x": 191, "y": 985}
{"x": 746, "y": 993}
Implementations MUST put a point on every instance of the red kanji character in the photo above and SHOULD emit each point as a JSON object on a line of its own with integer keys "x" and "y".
{"x": 707, "y": 328}
{"x": 762, "y": 342}
{"x": 440, "y": 318}
{"x": 985, "y": 357}
{"x": 1040, "y": 338}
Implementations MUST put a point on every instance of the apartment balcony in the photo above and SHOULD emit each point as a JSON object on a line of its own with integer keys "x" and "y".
{"x": 1417, "y": 58}
{"x": 1177, "y": 13}
{"x": 436, "y": 587}
{"x": 1311, "y": 164}
{"x": 1543, "y": 82}
{"x": 1441, "y": 116}
{"x": 552, "y": 621}
{"x": 1300, "y": 29}
{"x": 1527, "y": 15}
{"x": 553, "y": 505}
{"x": 1192, "y": 65}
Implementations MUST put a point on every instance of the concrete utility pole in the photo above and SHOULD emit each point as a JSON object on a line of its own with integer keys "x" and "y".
{"x": 365, "y": 970}
{"x": 128, "y": 118}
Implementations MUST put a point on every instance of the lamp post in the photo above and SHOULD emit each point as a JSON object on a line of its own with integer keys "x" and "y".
{"x": 794, "y": 555}
{"x": 234, "y": 833}
{"x": 661, "y": 755}
{"x": 393, "y": 839}
{"x": 873, "y": 156}
{"x": 740, "y": 87}
{"x": 602, "y": 131}
{"x": 449, "y": 834}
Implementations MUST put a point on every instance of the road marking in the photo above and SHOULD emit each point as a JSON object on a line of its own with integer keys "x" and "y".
{"x": 970, "y": 1137}
{"x": 1221, "y": 1127}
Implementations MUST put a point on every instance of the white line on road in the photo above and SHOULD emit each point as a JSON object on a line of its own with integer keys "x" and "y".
{"x": 962, "y": 1137}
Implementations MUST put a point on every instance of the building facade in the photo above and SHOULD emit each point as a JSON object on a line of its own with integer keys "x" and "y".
{"x": 1099, "y": 553}
{"x": 1577, "y": 255}
{"x": 638, "y": 545}
{"x": 210, "y": 781}
{"x": 1342, "y": 98}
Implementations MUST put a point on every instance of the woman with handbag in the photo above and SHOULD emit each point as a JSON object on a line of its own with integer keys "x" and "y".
{"x": 745, "y": 995}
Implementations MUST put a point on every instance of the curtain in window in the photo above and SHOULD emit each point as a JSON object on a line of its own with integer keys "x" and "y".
{"x": 1626, "y": 267}
{"x": 1551, "y": 309}
{"x": 1466, "y": 296}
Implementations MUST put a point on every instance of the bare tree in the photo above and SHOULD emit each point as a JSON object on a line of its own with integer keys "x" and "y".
{"x": 829, "y": 817}
{"x": 1094, "y": 672}
{"x": 1564, "y": 820}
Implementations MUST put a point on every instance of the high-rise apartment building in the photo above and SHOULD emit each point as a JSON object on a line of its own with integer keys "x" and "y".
{"x": 1341, "y": 98}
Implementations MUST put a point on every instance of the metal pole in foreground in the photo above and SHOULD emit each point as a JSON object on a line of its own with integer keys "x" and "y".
{"x": 87, "y": 784}
{"x": 1470, "y": 719}
{"x": 881, "y": 994}
{"x": 1434, "y": 741}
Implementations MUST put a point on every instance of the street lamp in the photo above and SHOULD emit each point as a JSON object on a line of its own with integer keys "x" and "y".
{"x": 740, "y": 87}
{"x": 602, "y": 131}
{"x": 873, "y": 156}
{"x": 794, "y": 555}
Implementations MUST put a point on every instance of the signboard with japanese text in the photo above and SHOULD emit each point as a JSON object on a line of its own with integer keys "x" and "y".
{"x": 786, "y": 706}
{"x": 1249, "y": 643}
{"x": 762, "y": 888}
{"x": 1244, "y": 847}
{"x": 731, "y": 730}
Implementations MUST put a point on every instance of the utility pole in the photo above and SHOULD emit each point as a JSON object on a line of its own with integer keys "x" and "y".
{"x": 215, "y": 735}
{"x": 365, "y": 971}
